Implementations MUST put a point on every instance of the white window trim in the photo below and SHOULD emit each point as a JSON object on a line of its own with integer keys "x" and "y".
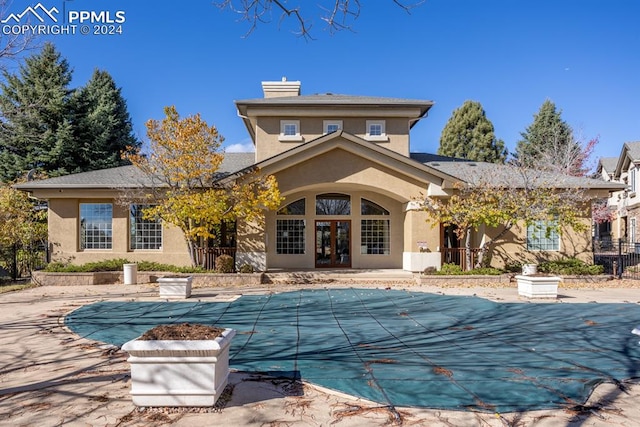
{"x": 327, "y": 123}
{"x": 632, "y": 179}
{"x": 378, "y": 138}
{"x": 294, "y": 138}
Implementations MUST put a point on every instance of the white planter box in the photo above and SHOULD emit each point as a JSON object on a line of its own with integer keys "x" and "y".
{"x": 179, "y": 373}
{"x": 538, "y": 286}
{"x": 175, "y": 287}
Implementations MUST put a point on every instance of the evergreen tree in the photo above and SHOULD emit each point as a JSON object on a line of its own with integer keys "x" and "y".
{"x": 102, "y": 125}
{"x": 547, "y": 134}
{"x": 36, "y": 130}
{"x": 470, "y": 135}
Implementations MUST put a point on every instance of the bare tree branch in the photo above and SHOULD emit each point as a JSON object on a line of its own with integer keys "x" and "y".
{"x": 338, "y": 15}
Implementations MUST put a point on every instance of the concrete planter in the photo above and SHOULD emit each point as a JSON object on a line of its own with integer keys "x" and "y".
{"x": 175, "y": 287}
{"x": 179, "y": 373}
{"x": 538, "y": 286}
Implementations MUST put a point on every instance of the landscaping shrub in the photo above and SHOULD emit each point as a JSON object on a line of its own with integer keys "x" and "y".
{"x": 456, "y": 270}
{"x": 570, "y": 266}
{"x": 246, "y": 268}
{"x": 450, "y": 269}
{"x": 117, "y": 265}
{"x": 224, "y": 264}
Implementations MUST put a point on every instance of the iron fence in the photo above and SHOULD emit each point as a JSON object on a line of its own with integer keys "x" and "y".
{"x": 619, "y": 258}
{"x": 19, "y": 260}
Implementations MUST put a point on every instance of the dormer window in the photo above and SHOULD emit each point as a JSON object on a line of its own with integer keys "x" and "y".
{"x": 290, "y": 130}
{"x": 331, "y": 126}
{"x": 376, "y": 131}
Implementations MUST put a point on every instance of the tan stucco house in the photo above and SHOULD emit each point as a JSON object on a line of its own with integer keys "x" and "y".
{"x": 343, "y": 164}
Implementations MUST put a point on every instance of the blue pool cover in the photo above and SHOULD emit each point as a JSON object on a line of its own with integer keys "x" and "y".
{"x": 403, "y": 348}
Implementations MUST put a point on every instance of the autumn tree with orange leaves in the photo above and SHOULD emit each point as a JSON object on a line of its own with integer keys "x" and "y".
{"x": 188, "y": 190}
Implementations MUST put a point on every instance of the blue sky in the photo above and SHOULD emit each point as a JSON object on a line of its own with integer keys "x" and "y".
{"x": 510, "y": 55}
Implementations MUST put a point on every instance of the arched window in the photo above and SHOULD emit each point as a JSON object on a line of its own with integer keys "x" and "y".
{"x": 333, "y": 204}
{"x": 294, "y": 208}
{"x": 367, "y": 207}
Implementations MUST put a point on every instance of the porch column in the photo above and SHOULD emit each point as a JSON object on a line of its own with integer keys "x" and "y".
{"x": 421, "y": 241}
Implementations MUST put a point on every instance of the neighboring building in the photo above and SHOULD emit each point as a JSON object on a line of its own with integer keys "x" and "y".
{"x": 626, "y": 201}
{"x": 343, "y": 164}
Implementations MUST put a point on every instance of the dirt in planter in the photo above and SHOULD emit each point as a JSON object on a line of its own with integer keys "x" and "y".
{"x": 182, "y": 331}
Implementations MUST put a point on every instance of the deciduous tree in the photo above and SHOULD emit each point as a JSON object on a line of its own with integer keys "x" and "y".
{"x": 189, "y": 191}
{"x": 502, "y": 196}
{"x": 469, "y": 134}
{"x": 21, "y": 224}
{"x": 337, "y": 15}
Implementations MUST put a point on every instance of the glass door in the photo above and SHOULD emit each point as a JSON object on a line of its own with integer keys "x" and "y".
{"x": 333, "y": 244}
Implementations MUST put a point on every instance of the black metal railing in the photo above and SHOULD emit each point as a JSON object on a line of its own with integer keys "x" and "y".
{"x": 618, "y": 257}
{"x": 19, "y": 260}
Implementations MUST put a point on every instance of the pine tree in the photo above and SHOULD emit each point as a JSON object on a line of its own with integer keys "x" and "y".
{"x": 547, "y": 134}
{"x": 470, "y": 135}
{"x": 35, "y": 131}
{"x": 102, "y": 125}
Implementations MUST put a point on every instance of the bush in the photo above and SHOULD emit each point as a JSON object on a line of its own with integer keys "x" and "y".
{"x": 117, "y": 265}
{"x": 246, "y": 268}
{"x": 224, "y": 264}
{"x": 450, "y": 269}
{"x": 456, "y": 270}
{"x": 570, "y": 266}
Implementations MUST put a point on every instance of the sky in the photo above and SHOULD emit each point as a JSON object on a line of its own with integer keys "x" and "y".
{"x": 509, "y": 55}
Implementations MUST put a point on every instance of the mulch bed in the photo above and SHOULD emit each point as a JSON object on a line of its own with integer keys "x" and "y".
{"x": 182, "y": 331}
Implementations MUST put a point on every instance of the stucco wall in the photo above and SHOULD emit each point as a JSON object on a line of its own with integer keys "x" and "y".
{"x": 512, "y": 247}
{"x": 64, "y": 236}
{"x": 268, "y": 130}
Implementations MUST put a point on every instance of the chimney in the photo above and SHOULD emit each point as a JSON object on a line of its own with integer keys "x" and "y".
{"x": 282, "y": 88}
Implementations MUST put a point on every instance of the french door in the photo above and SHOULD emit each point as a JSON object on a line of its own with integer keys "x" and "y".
{"x": 333, "y": 244}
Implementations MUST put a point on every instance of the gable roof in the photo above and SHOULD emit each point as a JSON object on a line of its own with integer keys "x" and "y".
{"x": 608, "y": 164}
{"x": 630, "y": 154}
{"x": 350, "y": 142}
